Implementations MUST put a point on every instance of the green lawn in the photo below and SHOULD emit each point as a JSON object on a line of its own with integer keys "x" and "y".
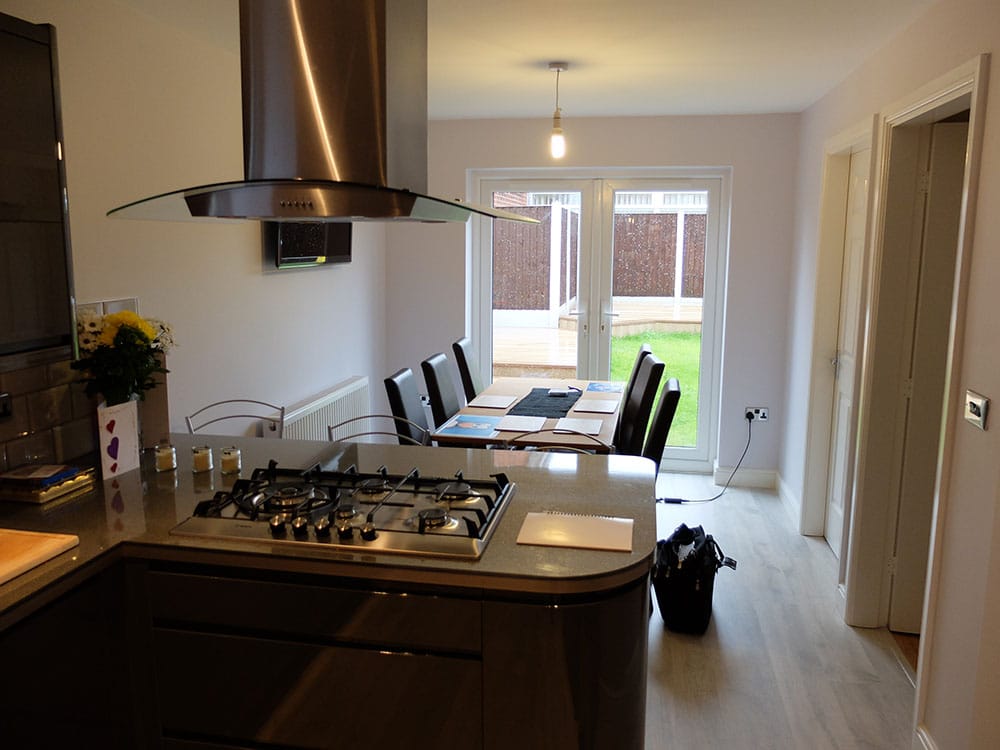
{"x": 680, "y": 353}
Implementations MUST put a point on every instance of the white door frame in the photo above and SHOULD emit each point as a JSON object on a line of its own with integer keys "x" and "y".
{"x": 480, "y": 279}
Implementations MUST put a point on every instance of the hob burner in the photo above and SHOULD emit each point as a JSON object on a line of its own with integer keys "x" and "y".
{"x": 373, "y": 486}
{"x": 433, "y": 518}
{"x": 293, "y": 495}
{"x": 345, "y": 512}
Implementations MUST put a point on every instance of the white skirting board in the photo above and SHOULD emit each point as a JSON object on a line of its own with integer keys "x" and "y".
{"x": 763, "y": 478}
{"x": 309, "y": 419}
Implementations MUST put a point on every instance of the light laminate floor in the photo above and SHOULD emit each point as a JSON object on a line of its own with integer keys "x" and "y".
{"x": 778, "y": 668}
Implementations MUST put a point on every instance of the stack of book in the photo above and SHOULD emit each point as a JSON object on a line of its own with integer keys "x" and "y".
{"x": 39, "y": 483}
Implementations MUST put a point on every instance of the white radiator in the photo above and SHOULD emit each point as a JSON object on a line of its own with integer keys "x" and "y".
{"x": 309, "y": 420}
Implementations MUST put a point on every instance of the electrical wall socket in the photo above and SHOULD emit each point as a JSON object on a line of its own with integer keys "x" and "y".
{"x": 759, "y": 413}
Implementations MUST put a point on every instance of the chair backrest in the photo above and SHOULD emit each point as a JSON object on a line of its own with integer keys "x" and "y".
{"x": 404, "y": 402}
{"x": 355, "y": 428}
{"x": 440, "y": 388}
{"x": 271, "y": 416}
{"x": 635, "y": 412}
{"x": 663, "y": 417}
{"x": 627, "y": 393}
{"x": 472, "y": 382}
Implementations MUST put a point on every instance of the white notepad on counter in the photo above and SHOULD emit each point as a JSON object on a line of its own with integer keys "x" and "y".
{"x": 484, "y": 401}
{"x": 597, "y": 405}
{"x": 586, "y": 426}
{"x": 552, "y": 529}
{"x": 514, "y": 423}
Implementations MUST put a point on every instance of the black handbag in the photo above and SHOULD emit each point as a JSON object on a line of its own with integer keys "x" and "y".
{"x": 684, "y": 578}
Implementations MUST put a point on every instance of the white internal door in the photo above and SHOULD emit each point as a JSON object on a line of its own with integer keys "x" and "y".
{"x": 846, "y": 358}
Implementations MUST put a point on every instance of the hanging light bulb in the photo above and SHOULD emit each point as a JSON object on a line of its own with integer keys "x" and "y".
{"x": 557, "y": 142}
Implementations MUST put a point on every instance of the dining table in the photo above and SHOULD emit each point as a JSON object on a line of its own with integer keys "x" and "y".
{"x": 539, "y": 412}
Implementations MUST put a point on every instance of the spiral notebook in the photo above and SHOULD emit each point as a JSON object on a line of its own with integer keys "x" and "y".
{"x": 552, "y": 529}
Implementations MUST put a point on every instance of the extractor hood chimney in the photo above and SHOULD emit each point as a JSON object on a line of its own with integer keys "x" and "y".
{"x": 334, "y": 120}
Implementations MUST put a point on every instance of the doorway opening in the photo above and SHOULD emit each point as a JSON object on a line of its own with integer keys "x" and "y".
{"x": 914, "y": 304}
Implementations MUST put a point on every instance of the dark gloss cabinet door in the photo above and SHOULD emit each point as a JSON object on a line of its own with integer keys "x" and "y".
{"x": 566, "y": 677}
{"x": 226, "y": 690}
{"x": 64, "y": 677}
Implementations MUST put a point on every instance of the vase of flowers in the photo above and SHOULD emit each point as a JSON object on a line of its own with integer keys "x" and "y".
{"x": 120, "y": 353}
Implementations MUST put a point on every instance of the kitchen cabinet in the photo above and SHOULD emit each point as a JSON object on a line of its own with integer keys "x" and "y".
{"x": 66, "y": 680}
{"x": 240, "y": 656}
{"x": 306, "y": 663}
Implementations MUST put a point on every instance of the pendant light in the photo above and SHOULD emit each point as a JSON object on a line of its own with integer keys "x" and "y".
{"x": 557, "y": 142}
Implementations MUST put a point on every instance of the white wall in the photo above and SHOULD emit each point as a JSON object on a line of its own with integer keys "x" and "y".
{"x": 426, "y": 277}
{"x": 960, "y": 678}
{"x": 151, "y": 103}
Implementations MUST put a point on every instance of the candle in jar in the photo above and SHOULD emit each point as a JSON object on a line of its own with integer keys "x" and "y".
{"x": 201, "y": 458}
{"x": 166, "y": 457}
{"x": 231, "y": 461}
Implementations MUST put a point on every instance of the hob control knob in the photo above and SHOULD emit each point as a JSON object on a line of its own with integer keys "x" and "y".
{"x": 277, "y": 524}
{"x": 368, "y": 532}
{"x": 322, "y": 526}
{"x": 345, "y": 531}
{"x": 300, "y": 526}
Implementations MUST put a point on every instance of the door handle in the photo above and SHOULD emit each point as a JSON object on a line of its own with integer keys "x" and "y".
{"x": 583, "y": 319}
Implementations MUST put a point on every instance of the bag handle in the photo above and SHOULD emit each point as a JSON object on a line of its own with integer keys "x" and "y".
{"x": 720, "y": 558}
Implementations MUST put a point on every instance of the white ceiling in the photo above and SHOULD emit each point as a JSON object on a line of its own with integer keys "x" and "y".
{"x": 648, "y": 57}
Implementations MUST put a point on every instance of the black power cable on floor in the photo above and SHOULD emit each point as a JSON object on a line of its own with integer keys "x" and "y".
{"x": 682, "y": 501}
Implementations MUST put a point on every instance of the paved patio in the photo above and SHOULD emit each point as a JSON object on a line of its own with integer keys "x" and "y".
{"x": 551, "y": 352}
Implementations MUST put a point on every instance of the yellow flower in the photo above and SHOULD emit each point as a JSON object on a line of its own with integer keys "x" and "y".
{"x": 114, "y": 321}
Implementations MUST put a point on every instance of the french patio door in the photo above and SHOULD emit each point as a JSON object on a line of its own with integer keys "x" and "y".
{"x": 614, "y": 262}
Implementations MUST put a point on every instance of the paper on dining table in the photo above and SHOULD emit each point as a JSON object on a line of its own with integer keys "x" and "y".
{"x": 484, "y": 401}
{"x": 586, "y": 426}
{"x": 597, "y": 405}
{"x": 514, "y": 423}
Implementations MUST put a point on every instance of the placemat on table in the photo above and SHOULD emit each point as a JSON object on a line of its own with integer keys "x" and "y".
{"x": 539, "y": 403}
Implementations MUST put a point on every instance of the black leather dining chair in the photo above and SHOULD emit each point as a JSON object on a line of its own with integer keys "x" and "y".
{"x": 440, "y": 388}
{"x": 635, "y": 413}
{"x": 644, "y": 350}
{"x": 404, "y": 403}
{"x": 663, "y": 417}
{"x": 472, "y": 382}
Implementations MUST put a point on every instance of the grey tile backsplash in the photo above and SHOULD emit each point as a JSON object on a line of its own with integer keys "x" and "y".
{"x": 51, "y": 419}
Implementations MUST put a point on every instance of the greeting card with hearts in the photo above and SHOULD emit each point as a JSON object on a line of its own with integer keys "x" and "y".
{"x": 118, "y": 432}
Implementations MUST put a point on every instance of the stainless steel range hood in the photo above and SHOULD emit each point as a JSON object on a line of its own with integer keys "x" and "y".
{"x": 334, "y": 120}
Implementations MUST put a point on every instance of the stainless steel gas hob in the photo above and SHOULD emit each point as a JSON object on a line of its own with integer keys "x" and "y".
{"x": 357, "y": 511}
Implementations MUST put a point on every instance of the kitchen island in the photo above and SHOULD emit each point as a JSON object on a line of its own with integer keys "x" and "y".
{"x": 152, "y": 639}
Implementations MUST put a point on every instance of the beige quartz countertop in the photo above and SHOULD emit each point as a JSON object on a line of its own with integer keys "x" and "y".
{"x": 132, "y": 517}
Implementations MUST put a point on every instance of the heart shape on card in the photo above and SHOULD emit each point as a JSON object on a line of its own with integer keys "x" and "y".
{"x": 110, "y": 426}
{"x": 114, "y": 467}
{"x": 113, "y": 448}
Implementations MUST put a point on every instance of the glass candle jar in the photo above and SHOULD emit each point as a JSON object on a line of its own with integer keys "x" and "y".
{"x": 166, "y": 457}
{"x": 231, "y": 460}
{"x": 201, "y": 458}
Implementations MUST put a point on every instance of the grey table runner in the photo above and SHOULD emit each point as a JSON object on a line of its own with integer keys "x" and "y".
{"x": 539, "y": 403}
